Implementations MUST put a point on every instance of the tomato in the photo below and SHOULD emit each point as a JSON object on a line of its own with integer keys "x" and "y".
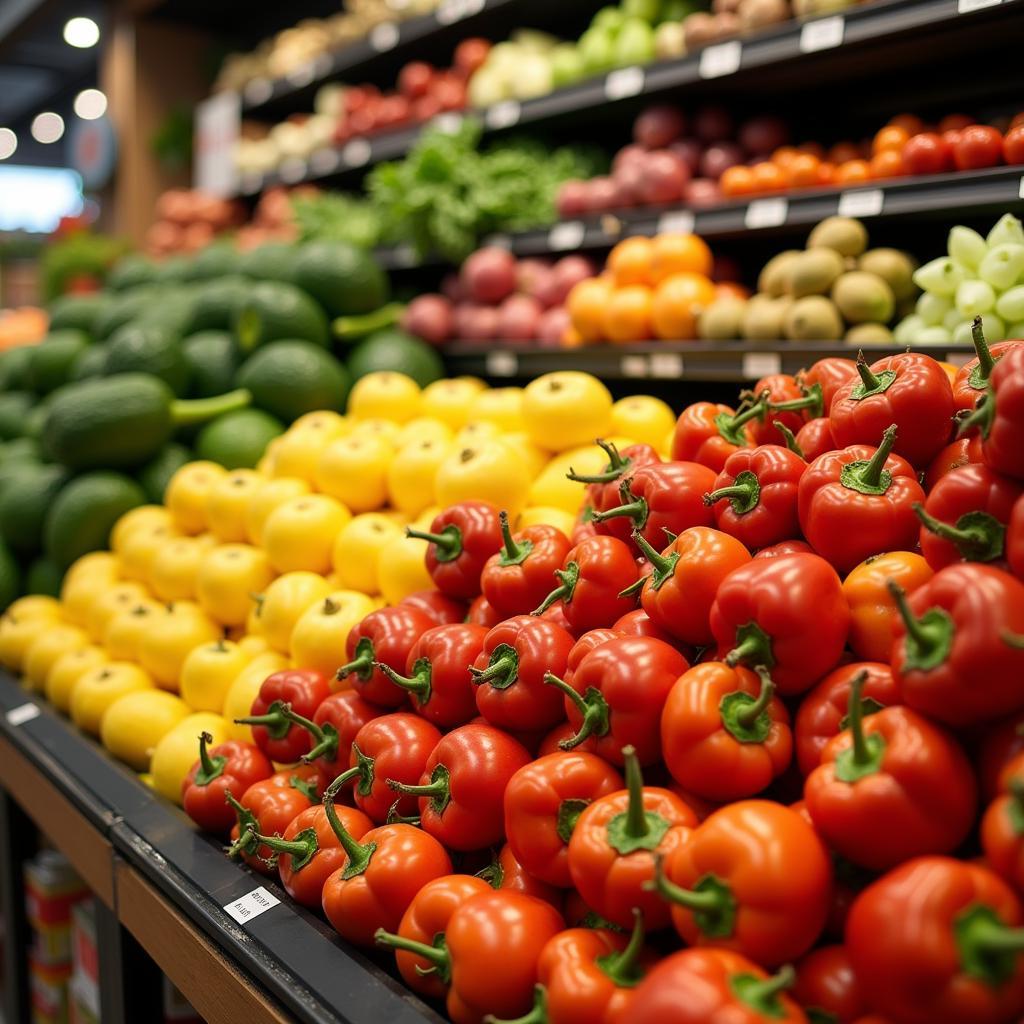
{"x": 1013, "y": 145}
{"x": 978, "y": 146}
{"x": 927, "y": 153}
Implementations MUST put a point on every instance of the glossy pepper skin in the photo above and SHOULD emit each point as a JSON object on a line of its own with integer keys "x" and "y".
{"x": 859, "y": 501}
{"x": 483, "y": 613}
{"x": 824, "y": 711}
{"x": 461, "y": 539}
{"x": 712, "y": 986}
{"x": 815, "y": 438}
{"x": 591, "y": 582}
{"x": 730, "y": 887}
{"x": 957, "y": 654}
{"x": 461, "y": 792}
{"x": 616, "y": 841}
{"x": 303, "y": 690}
{"x": 616, "y": 696}
{"x": 937, "y": 941}
{"x": 543, "y": 802}
{"x": 438, "y": 679}
{"x": 505, "y": 872}
{"x": 1015, "y": 539}
{"x": 509, "y": 673}
{"x": 396, "y": 747}
{"x": 786, "y": 547}
{"x": 660, "y": 501}
{"x": 787, "y": 614}
{"x": 332, "y": 730}
{"x": 442, "y": 609}
{"x": 972, "y": 378}
{"x": 424, "y": 924}
{"x": 909, "y": 390}
{"x": 965, "y": 516}
{"x": 790, "y": 402}
{"x": 755, "y": 496}
{"x": 1000, "y": 416}
{"x": 519, "y": 576}
{"x": 724, "y": 734}
{"x": 825, "y": 983}
{"x": 890, "y": 787}
{"x": 830, "y": 373}
{"x": 679, "y": 593}
{"x": 709, "y": 433}
{"x": 962, "y": 452}
{"x": 230, "y": 767}
{"x": 871, "y": 603}
{"x": 386, "y": 635}
{"x": 1002, "y": 832}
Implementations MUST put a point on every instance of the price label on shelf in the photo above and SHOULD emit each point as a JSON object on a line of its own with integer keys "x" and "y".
{"x": 452, "y": 11}
{"x": 22, "y": 713}
{"x": 505, "y": 114}
{"x": 217, "y": 130}
{"x": 823, "y": 34}
{"x": 766, "y": 213}
{"x": 666, "y": 365}
{"x": 324, "y": 161}
{"x": 760, "y": 364}
{"x": 302, "y": 75}
{"x": 293, "y": 169}
{"x": 677, "y": 222}
{"x": 404, "y": 255}
{"x": 384, "y": 37}
{"x": 502, "y": 364}
{"x": 720, "y": 60}
{"x": 356, "y": 153}
{"x": 1020, "y": 189}
{"x": 863, "y": 202}
{"x": 567, "y": 235}
{"x": 251, "y": 905}
{"x": 259, "y": 90}
{"x": 449, "y": 123}
{"x": 499, "y": 241}
{"x": 633, "y": 367}
{"x": 970, "y": 6}
{"x": 623, "y": 83}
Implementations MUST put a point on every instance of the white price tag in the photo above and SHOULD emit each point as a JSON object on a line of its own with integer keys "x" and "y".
{"x": 666, "y": 365}
{"x": 502, "y": 364}
{"x": 218, "y": 123}
{"x": 970, "y": 6}
{"x": 356, "y": 153}
{"x": 823, "y": 34}
{"x": 449, "y": 123}
{"x": 633, "y": 366}
{"x": 293, "y": 169}
{"x": 499, "y": 241}
{"x": 259, "y": 90}
{"x": 505, "y": 114}
{"x": 611, "y": 225}
{"x": 567, "y": 235}
{"x": 766, "y": 213}
{"x": 678, "y": 222}
{"x": 22, "y": 713}
{"x": 1020, "y": 189}
{"x": 251, "y": 905}
{"x": 720, "y": 60}
{"x": 452, "y": 11}
{"x": 864, "y": 202}
{"x": 761, "y": 364}
{"x": 384, "y": 37}
{"x": 302, "y": 75}
{"x": 324, "y": 161}
{"x": 625, "y": 82}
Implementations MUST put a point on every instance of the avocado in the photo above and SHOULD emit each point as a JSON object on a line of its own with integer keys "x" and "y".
{"x": 343, "y": 278}
{"x": 148, "y": 348}
{"x": 290, "y": 378}
{"x": 272, "y": 310}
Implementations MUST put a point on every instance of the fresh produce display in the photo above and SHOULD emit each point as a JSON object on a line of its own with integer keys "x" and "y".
{"x": 188, "y": 220}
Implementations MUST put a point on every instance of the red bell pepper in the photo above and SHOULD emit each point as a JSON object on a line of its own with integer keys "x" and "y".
{"x": 506, "y": 872}
{"x": 230, "y": 767}
{"x": 663, "y": 500}
{"x": 639, "y": 623}
{"x": 616, "y": 841}
{"x": 1002, "y": 830}
{"x": 785, "y": 547}
{"x": 909, "y": 390}
{"x": 462, "y": 787}
{"x": 972, "y": 378}
{"x": 679, "y": 594}
{"x": 303, "y": 690}
{"x": 1000, "y": 416}
{"x": 755, "y": 496}
{"x": 591, "y": 581}
{"x": 310, "y": 849}
{"x": 483, "y": 613}
{"x": 518, "y": 578}
{"x": 584, "y": 645}
{"x": 824, "y": 711}
{"x": 830, "y": 374}
{"x": 1015, "y": 539}
{"x": 442, "y": 609}
{"x": 392, "y": 747}
{"x": 791, "y": 403}
{"x": 725, "y": 734}
{"x": 958, "y": 653}
{"x": 814, "y": 439}
{"x": 543, "y": 802}
{"x": 509, "y": 673}
{"x": 438, "y": 678}
{"x": 709, "y": 433}
{"x": 1000, "y": 746}
{"x": 787, "y": 614}
{"x": 386, "y": 635}
{"x": 461, "y": 539}
{"x": 962, "y": 452}
{"x": 827, "y": 988}
{"x": 705, "y": 986}
{"x": 859, "y": 501}
{"x": 890, "y": 787}
{"x": 965, "y": 516}
{"x": 939, "y": 940}
{"x": 728, "y": 887}
{"x": 379, "y": 877}
{"x": 616, "y": 696}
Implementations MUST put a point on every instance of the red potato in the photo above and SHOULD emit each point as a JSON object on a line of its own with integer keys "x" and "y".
{"x": 393, "y": 111}
{"x": 476, "y": 323}
{"x": 489, "y": 274}
{"x": 605, "y": 194}
{"x": 358, "y": 96}
{"x": 569, "y": 271}
{"x": 163, "y": 236}
{"x": 628, "y": 178}
{"x": 761, "y": 136}
{"x": 470, "y": 54}
{"x": 717, "y": 159}
{"x": 177, "y": 206}
{"x": 703, "y": 192}
{"x": 688, "y": 150}
{"x": 415, "y": 79}
{"x": 571, "y": 200}
{"x": 450, "y": 91}
{"x": 713, "y": 124}
{"x": 425, "y": 108}
{"x": 530, "y": 274}
{"x": 658, "y": 126}
{"x": 364, "y": 120}
{"x": 552, "y": 326}
{"x": 664, "y": 178}
{"x": 518, "y": 318}
{"x": 452, "y": 289}
{"x": 430, "y": 317}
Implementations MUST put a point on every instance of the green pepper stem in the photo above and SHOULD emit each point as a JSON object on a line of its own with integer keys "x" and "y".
{"x": 431, "y": 790}
{"x": 537, "y": 1015}
{"x": 855, "y": 716}
{"x": 659, "y": 561}
{"x": 636, "y": 510}
{"x": 448, "y": 541}
{"x": 872, "y": 472}
{"x": 809, "y": 401}
{"x": 705, "y": 900}
{"x": 568, "y": 578}
{"x": 871, "y": 382}
{"x": 325, "y": 739}
{"x": 749, "y": 713}
{"x": 617, "y": 465}
{"x": 436, "y": 955}
{"x": 346, "y": 327}
{"x": 510, "y": 549}
{"x": 495, "y": 670}
{"x": 911, "y": 623}
{"x": 300, "y": 850}
{"x": 758, "y": 993}
{"x": 790, "y": 438}
{"x": 359, "y": 854}
{"x": 741, "y": 491}
{"x": 276, "y": 719}
{"x": 248, "y": 826}
{"x": 210, "y": 768}
{"x": 985, "y": 360}
{"x": 993, "y": 937}
{"x": 361, "y": 664}
{"x": 755, "y": 411}
{"x": 418, "y": 683}
{"x": 198, "y": 410}
{"x": 592, "y": 706}
{"x": 623, "y": 967}
{"x": 636, "y": 816}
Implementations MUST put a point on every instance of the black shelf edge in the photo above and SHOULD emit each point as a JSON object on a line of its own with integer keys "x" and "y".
{"x": 296, "y": 957}
{"x": 666, "y": 361}
{"x": 741, "y": 59}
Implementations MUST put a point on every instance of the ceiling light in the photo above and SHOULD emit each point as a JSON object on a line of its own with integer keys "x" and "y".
{"x": 81, "y": 32}
{"x": 8, "y": 143}
{"x": 90, "y": 104}
{"x": 47, "y": 127}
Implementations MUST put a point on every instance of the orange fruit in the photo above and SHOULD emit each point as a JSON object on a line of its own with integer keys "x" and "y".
{"x": 812, "y": 149}
{"x": 852, "y": 172}
{"x": 630, "y": 261}
{"x": 888, "y": 163}
{"x": 826, "y": 172}
{"x": 910, "y": 123}
{"x": 674, "y": 254}
{"x": 586, "y": 304}
{"x": 804, "y": 170}
{"x": 678, "y": 302}
{"x": 769, "y": 177}
{"x": 572, "y": 338}
{"x": 737, "y": 181}
{"x": 892, "y": 136}
{"x": 784, "y": 155}
{"x": 843, "y": 151}
{"x": 731, "y": 290}
{"x": 627, "y": 316}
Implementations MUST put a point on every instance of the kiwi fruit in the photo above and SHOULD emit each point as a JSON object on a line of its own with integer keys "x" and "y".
{"x": 863, "y": 298}
{"x": 812, "y": 272}
{"x": 869, "y": 334}
{"x": 844, "y": 234}
{"x": 722, "y": 320}
{"x": 813, "y": 318}
{"x": 763, "y": 318}
{"x": 895, "y": 268}
{"x": 773, "y": 280}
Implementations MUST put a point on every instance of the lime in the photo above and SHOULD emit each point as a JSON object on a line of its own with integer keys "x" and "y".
{"x": 291, "y": 378}
{"x": 130, "y": 272}
{"x": 90, "y": 363}
{"x": 14, "y": 366}
{"x": 237, "y": 440}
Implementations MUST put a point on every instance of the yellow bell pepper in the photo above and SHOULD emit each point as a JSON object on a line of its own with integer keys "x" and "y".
{"x": 267, "y": 496}
{"x": 95, "y": 565}
{"x": 411, "y": 474}
{"x": 387, "y": 431}
{"x": 547, "y": 515}
{"x": 98, "y": 688}
{"x": 175, "y": 568}
{"x": 423, "y": 428}
{"x": 134, "y": 724}
{"x": 354, "y": 470}
{"x": 501, "y": 406}
{"x": 645, "y": 418}
{"x": 403, "y": 569}
{"x": 253, "y": 644}
{"x": 522, "y": 447}
{"x": 486, "y": 473}
{"x": 122, "y": 638}
{"x": 108, "y": 601}
{"x": 227, "y": 503}
{"x": 297, "y": 451}
{"x": 553, "y": 487}
{"x": 451, "y": 400}
{"x": 477, "y": 432}
{"x": 208, "y": 672}
{"x": 299, "y": 534}
{"x": 186, "y": 495}
{"x": 143, "y": 516}
{"x": 167, "y": 642}
{"x": 66, "y": 672}
{"x": 284, "y": 601}
{"x": 141, "y": 548}
{"x": 228, "y": 578}
{"x": 47, "y": 648}
{"x": 243, "y": 690}
{"x": 319, "y": 637}
{"x": 357, "y": 551}
{"x": 178, "y": 750}
{"x": 384, "y": 395}
{"x": 566, "y": 409}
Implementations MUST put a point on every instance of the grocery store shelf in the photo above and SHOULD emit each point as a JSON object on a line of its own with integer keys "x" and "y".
{"x": 284, "y": 965}
{"x": 732, "y": 361}
{"x": 823, "y": 47}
